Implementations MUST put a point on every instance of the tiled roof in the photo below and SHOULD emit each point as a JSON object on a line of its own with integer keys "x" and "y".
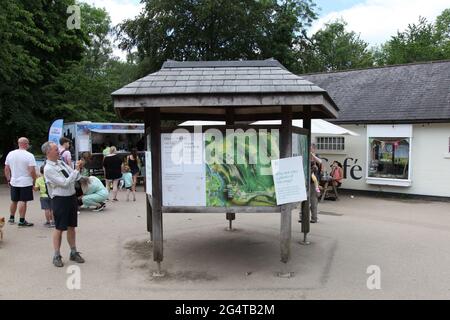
{"x": 395, "y": 94}
{"x": 210, "y": 77}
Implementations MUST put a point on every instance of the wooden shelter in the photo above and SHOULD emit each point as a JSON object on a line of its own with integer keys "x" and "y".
{"x": 229, "y": 91}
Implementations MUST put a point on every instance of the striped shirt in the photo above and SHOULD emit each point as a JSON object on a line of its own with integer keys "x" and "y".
{"x": 60, "y": 179}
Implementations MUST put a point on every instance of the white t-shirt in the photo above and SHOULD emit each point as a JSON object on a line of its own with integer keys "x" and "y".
{"x": 19, "y": 161}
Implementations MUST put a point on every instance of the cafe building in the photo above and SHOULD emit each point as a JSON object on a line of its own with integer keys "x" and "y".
{"x": 402, "y": 117}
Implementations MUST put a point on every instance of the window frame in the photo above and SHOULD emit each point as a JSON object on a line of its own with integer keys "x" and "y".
{"x": 389, "y": 132}
{"x": 330, "y": 141}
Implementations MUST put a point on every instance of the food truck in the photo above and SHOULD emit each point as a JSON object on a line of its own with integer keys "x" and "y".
{"x": 93, "y": 137}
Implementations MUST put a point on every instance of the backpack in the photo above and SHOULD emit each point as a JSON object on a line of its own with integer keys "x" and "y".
{"x": 61, "y": 155}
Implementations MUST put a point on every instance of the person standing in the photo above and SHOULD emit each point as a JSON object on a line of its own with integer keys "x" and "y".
{"x": 20, "y": 172}
{"x": 317, "y": 160}
{"x": 134, "y": 163}
{"x": 40, "y": 186}
{"x": 112, "y": 167}
{"x": 64, "y": 151}
{"x": 61, "y": 180}
{"x": 128, "y": 182}
{"x": 314, "y": 193}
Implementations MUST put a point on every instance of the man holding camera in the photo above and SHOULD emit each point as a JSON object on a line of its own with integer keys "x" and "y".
{"x": 60, "y": 179}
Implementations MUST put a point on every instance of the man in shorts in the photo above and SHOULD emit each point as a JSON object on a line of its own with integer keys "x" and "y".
{"x": 20, "y": 172}
{"x": 60, "y": 179}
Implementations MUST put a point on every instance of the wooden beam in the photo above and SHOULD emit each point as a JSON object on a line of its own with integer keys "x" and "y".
{"x": 148, "y": 208}
{"x": 233, "y": 209}
{"x": 286, "y": 152}
{"x": 217, "y": 102}
{"x": 157, "y": 225}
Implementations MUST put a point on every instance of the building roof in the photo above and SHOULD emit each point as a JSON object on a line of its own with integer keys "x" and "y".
{"x": 206, "y": 84}
{"x": 218, "y": 77}
{"x": 408, "y": 93}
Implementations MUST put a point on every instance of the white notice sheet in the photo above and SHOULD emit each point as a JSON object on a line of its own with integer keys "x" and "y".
{"x": 289, "y": 180}
{"x": 183, "y": 169}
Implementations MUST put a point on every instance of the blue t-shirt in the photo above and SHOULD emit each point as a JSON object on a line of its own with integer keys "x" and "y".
{"x": 127, "y": 179}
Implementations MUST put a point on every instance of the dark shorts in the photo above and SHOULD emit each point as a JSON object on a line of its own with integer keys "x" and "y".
{"x": 65, "y": 211}
{"x": 134, "y": 172}
{"x": 21, "y": 194}
{"x": 46, "y": 204}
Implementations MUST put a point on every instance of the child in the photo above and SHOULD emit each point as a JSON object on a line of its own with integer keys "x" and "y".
{"x": 45, "y": 199}
{"x": 128, "y": 181}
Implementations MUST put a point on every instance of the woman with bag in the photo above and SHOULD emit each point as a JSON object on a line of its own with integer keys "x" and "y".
{"x": 134, "y": 163}
{"x": 112, "y": 166}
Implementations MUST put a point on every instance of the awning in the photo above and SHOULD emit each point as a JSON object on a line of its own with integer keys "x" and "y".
{"x": 118, "y": 131}
{"x": 202, "y": 123}
{"x": 318, "y": 126}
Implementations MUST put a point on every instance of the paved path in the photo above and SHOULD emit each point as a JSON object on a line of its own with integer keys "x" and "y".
{"x": 408, "y": 240}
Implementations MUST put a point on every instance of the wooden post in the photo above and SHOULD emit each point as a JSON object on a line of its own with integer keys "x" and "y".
{"x": 157, "y": 225}
{"x": 306, "y": 204}
{"x": 285, "y": 152}
{"x": 229, "y": 116}
{"x": 148, "y": 148}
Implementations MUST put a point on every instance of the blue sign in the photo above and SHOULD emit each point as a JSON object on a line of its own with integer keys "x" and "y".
{"x": 56, "y": 131}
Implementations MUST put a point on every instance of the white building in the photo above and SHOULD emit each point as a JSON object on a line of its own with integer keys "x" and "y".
{"x": 402, "y": 116}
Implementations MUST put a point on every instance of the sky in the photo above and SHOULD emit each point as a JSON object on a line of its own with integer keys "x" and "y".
{"x": 374, "y": 20}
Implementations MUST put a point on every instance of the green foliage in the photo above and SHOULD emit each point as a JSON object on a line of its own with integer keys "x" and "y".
{"x": 334, "y": 48}
{"x": 88, "y": 83}
{"x": 35, "y": 47}
{"x": 423, "y": 41}
{"x": 217, "y": 30}
{"x": 48, "y": 71}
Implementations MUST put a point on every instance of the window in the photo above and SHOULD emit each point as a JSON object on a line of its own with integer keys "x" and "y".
{"x": 389, "y": 158}
{"x": 330, "y": 143}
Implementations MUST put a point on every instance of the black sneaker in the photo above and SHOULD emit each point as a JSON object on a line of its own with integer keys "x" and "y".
{"x": 100, "y": 207}
{"x": 25, "y": 224}
{"x": 11, "y": 221}
{"x": 57, "y": 262}
{"x": 76, "y": 257}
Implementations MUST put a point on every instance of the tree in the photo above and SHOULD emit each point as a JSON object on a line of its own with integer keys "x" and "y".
{"x": 216, "y": 30}
{"x": 334, "y": 48}
{"x": 88, "y": 83}
{"x": 48, "y": 71}
{"x": 423, "y": 41}
{"x": 442, "y": 27}
{"x": 35, "y": 46}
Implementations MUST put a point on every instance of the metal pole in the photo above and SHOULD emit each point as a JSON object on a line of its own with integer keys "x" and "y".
{"x": 230, "y": 217}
